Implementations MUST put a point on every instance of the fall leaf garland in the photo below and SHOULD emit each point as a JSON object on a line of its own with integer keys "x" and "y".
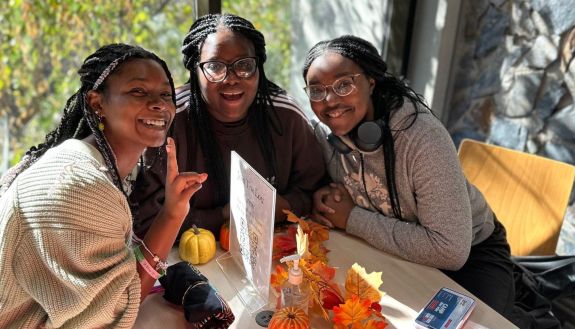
{"x": 360, "y": 309}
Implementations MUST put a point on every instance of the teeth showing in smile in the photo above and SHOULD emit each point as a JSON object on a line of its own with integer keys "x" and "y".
{"x": 231, "y": 94}
{"x": 157, "y": 123}
{"x": 335, "y": 114}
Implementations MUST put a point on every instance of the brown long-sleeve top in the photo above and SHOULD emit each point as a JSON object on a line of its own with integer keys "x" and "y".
{"x": 300, "y": 167}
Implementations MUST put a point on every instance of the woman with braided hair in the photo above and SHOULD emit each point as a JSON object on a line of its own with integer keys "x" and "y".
{"x": 229, "y": 104}
{"x": 397, "y": 179}
{"x": 67, "y": 259}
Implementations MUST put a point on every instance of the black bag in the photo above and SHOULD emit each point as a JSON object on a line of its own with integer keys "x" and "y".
{"x": 203, "y": 306}
{"x": 538, "y": 281}
{"x": 552, "y": 276}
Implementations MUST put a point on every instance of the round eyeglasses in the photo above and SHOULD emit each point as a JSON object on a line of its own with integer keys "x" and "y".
{"x": 341, "y": 87}
{"x": 216, "y": 71}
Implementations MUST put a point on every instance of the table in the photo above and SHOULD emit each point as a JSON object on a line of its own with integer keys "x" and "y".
{"x": 407, "y": 286}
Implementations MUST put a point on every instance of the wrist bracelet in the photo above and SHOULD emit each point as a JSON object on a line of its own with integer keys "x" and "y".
{"x": 146, "y": 266}
{"x": 161, "y": 266}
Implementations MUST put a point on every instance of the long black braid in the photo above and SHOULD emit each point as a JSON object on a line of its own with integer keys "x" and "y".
{"x": 260, "y": 114}
{"x": 79, "y": 120}
{"x": 388, "y": 95}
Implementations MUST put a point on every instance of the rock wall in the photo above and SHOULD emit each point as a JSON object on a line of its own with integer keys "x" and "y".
{"x": 514, "y": 81}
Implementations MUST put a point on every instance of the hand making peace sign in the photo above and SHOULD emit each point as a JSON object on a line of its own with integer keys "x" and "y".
{"x": 180, "y": 187}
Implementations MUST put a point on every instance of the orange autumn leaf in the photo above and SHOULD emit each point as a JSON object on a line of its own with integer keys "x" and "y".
{"x": 365, "y": 286}
{"x": 278, "y": 277}
{"x": 317, "y": 231}
{"x": 318, "y": 251}
{"x": 374, "y": 324}
{"x": 324, "y": 293}
{"x": 376, "y": 310}
{"x": 329, "y": 295}
{"x": 325, "y": 271}
{"x": 353, "y": 311}
{"x": 285, "y": 243}
{"x": 291, "y": 217}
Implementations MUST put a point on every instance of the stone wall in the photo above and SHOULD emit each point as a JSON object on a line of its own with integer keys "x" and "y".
{"x": 514, "y": 81}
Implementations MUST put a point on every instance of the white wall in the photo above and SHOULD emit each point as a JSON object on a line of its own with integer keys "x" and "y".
{"x": 432, "y": 48}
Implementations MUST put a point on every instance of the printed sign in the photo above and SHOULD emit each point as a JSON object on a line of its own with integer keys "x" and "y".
{"x": 252, "y": 213}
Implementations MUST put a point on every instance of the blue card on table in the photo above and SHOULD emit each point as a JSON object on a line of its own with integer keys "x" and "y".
{"x": 446, "y": 310}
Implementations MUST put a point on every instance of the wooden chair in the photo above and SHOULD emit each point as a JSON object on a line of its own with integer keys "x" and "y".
{"x": 528, "y": 193}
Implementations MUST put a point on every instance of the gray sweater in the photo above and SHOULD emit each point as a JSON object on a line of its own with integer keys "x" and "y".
{"x": 443, "y": 214}
{"x": 65, "y": 259}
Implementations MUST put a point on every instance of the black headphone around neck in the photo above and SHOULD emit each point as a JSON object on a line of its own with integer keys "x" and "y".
{"x": 367, "y": 137}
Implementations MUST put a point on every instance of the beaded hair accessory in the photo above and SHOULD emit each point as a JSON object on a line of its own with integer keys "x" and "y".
{"x": 108, "y": 70}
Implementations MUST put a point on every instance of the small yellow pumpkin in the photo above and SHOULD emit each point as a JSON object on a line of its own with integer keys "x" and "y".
{"x": 289, "y": 318}
{"x": 197, "y": 245}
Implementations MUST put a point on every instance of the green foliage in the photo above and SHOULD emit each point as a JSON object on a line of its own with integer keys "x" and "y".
{"x": 273, "y": 19}
{"x": 43, "y": 43}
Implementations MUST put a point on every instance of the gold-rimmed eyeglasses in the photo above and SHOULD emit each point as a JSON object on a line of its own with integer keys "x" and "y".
{"x": 341, "y": 87}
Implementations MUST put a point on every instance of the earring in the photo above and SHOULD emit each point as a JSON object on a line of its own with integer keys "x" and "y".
{"x": 100, "y": 123}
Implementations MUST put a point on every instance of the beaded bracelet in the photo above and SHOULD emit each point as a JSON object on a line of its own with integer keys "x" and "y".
{"x": 146, "y": 266}
{"x": 160, "y": 264}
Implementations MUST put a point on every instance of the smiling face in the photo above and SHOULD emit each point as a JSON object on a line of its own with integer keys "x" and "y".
{"x": 230, "y": 99}
{"x": 136, "y": 106}
{"x": 341, "y": 113}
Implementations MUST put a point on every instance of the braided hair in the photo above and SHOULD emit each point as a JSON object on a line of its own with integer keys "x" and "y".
{"x": 388, "y": 95}
{"x": 78, "y": 120}
{"x": 260, "y": 114}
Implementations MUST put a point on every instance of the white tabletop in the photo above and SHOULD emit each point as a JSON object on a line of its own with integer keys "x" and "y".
{"x": 407, "y": 286}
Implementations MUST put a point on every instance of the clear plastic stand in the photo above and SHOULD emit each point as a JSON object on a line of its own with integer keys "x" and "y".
{"x": 236, "y": 276}
{"x": 247, "y": 266}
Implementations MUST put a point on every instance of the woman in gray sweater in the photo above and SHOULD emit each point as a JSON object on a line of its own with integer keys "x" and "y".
{"x": 397, "y": 180}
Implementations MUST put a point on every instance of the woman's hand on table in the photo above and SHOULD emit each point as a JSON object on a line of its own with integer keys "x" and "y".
{"x": 332, "y": 205}
{"x": 341, "y": 202}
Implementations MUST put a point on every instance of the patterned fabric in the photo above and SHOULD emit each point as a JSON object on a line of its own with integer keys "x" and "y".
{"x": 65, "y": 232}
{"x": 203, "y": 307}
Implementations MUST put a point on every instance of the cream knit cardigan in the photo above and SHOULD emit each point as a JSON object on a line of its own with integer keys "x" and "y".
{"x": 65, "y": 257}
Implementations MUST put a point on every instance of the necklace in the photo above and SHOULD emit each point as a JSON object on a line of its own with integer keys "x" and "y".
{"x": 127, "y": 183}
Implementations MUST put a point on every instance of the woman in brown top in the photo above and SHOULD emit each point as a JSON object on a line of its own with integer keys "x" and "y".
{"x": 229, "y": 104}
